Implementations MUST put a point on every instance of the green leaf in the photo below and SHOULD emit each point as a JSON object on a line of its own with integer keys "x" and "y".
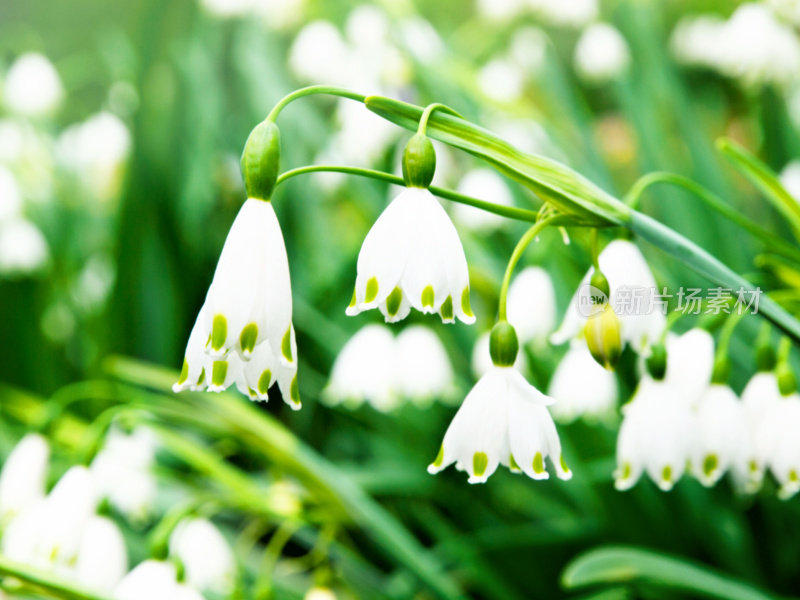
{"x": 764, "y": 179}
{"x": 620, "y": 564}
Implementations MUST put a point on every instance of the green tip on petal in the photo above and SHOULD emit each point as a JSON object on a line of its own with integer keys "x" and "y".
{"x": 710, "y": 463}
{"x": 393, "y": 301}
{"x": 286, "y": 345}
{"x": 439, "y": 457}
{"x": 184, "y": 372}
{"x": 294, "y": 392}
{"x": 538, "y": 463}
{"x": 564, "y": 466}
{"x": 466, "y": 308}
{"x": 248, "y": 337}
{"x": 352, "y": 300}
{"x": 427, "y": 296}
{"x": 219, "y": 371}
{"x": 447, "y": 308}
{"x": 666, "y": 474}
{"x": 219, "y": 332}
{"x": 626, "y": 471}
{"x": 512, "y": 464}
{"x": 479, "y": 463}
{"x": 264, "y": 381}
{"x": 372, "y": 289}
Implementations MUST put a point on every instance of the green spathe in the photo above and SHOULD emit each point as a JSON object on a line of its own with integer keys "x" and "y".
{"x": 503, "y": 344}
{"x": 261, "y": 160}
{"x": 604, "y": 336}
{"x": 419, "y": 161}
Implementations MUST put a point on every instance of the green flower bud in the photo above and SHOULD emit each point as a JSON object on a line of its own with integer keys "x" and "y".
{"x": 261, "y": 160}
{"x": 600, "y": 283}
{"x": 603, "y": 336}
{"x": 657, "y": 362}
{"x": 503, "y": 344}
{"x": 787, "y": 382}
{"x": 419, "y": 162}
{"x": 765, "y": 357}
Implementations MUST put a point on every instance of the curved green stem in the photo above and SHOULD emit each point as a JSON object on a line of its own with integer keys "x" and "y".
{"x": 714, "y": 202}
{"x": 522, "y": 244}
{"x": 310, "y": 91}
{"x": 520, "y": 214}
{"x": 423, "y": 121}
{"x": 45, "y": 581}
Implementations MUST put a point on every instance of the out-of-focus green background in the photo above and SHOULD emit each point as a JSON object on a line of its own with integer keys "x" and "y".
{"x": 134, "y": 216}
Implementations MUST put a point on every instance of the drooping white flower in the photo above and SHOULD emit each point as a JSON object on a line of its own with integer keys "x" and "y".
{"x": 22, "y": 479}
{"x": 484, "y": 184}
{"x": 503, "y": 420}
{"x": 654, "y": 437}
{"x": 601, "y": 53}
{"x": 778, "y": 439}
{"x": 759, "y": 398}
{"x": 23, "y": 249}
{"x": 206, "y": 555}
{"x": 532, "y": 304}
{"x": 424, "y": 370}
{"x": 154, "y": 580}
{"x": 10, "y": 195}
{"x": 721, "y": 439}
{"x": 244, "y": 333}
{"x": 364, "y": 370}
{"x": 690, "y": 364}
{"x": 102, "y": 559}
{"x": 581, "y": 387}
{"x": 123, "y": 472}
{"x": 481, "y": 360}
{"x": 32, "y": 86}
{"x": 633, "y": 290}
{"x": 412, "y": 257}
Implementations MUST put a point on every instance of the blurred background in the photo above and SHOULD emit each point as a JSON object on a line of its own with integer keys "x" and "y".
{"x": 121, "y": 127}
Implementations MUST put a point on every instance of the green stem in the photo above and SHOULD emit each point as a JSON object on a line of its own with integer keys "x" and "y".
{"x": 520, "y": 214}
{"x": 523, "y": 243}
{"x": 310, "y": 91}
{"x": 423, "y": 122}
{"x": 714, "y": 202}
{"x": 45, "y": 581}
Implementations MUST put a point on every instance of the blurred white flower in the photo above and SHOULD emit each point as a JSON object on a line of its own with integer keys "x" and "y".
{"x": 788, "y": 10}
{"x": 532, "y": 304}
{"x": 566, "y": 13}
{"x": 10, "y": 194}
{"x": 376, "y": 62}
{"x": 244, "y": 333}
{"x": 690, "y": 364}
{"x": 319, "y": 593}
{"x": 23, "y": 249}
{"x": 154, "y": 580}
{"x": 102, "y": 559}
{"x": 790, "y": 179}
{"x": 413, "y": 257}
{"x": 227, "y": 8}
{"x": 481, "y": 362}
{"x": 581, "y": 387}
{"x": 206, "y": 555}
{"x": 123, "y": 472}
{"x": 280, "y": 14}
{"x": 721, "y": 440}
{"x": 320, "y": 55}
{"x": 378, "y": 368}
{"x": 528, "y": 48}
{"x": 32, "y": 86}
{"x": 780, "y": 444}
{"x": 421, "y": 39}
{"x": 627, "y": 272}
{"x": 500, "y": 10}
{"x": 424, "y": 372}
{"x": 502, "y": 80}
{"x": 363, "y": 136}
{"x": 503, "y": 420}
{"x": 601, "y": 53}
{"x": 94, "y": 283}
{"x": 22, "y": 480}
{"x": 484, "y": 184}
{"x": 96, "y": 151}
{"x": 27, "y": 151}
{"x": 655, "y": 437}
{"x": 759, "y": 398}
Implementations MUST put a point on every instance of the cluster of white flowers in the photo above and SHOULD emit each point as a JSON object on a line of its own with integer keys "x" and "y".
{"x": 752, "y": 46}
{"x": 383, "y": 370}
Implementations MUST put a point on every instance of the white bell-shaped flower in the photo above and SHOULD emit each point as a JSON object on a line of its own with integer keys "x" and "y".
{"x": 601, "y": 53}
{"x": 632, "y": 296}
{"x": 23, "y": 247}
{"x": 503, "y": 420}
{"x": 206, "y": 555}
{"x": 424, "y": 370}
{"x": 22, "y": 479}
{"x": 413, "y": 257}
{"x": 364, "y": 370}
{"x": 654, "y": 437}
{"x": 32, "y": 86}
{"x": 779, "y": 440}
{"x": 720, "y": 439}
{"x": 123, "y": 472}
{"x": 581, "y": 387}
{"x": 690, "y": 364}
{"x": 759, "y": 398}
{"x": 244, "y": 333}
{"x": 154, "y": 580}
{"x": 532, "y": 304}
{"x": 102, "y": 559}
